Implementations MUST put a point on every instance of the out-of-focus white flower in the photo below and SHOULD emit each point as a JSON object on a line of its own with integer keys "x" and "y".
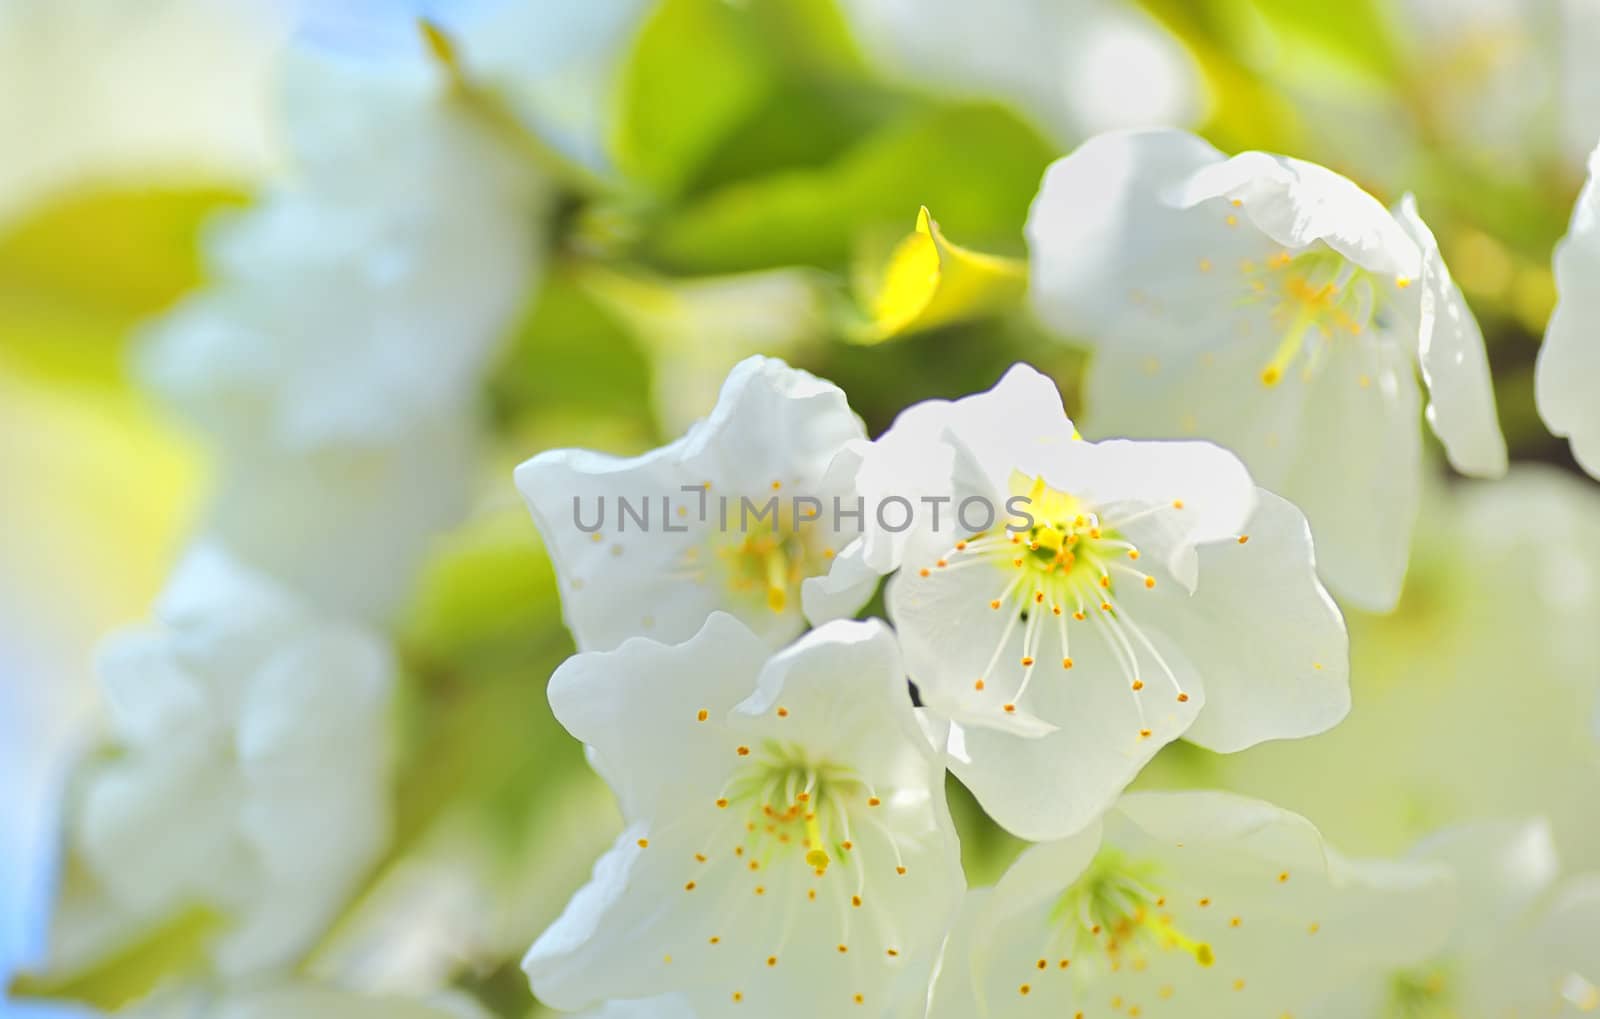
{"x": 252, "y": 766}
{"x": 1191, "y": 904}
{"x": 1475, "y": 697}
{"x": 788, "y": 851}
{"x": 369, "y": 291}
{"x": 1511, "y": 79}
{"x": 1272, "y": 306}
{"x": 1524, "y": 942}
{"x": 1568, "y": 370}
{"x": 1079, "y": 603}
{"x": 345, "y": 525}
{"x": 696, "y": 330}
{"x": 139, "y": 114}
{"x": 738, "y": 514}
{"x": 337, "y": 359}
{"x": 1074, "y": 67}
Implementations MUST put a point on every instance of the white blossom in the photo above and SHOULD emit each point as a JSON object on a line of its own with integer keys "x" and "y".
{"x": 720, "y": 517}
{"x": 1120, "y": 596}
{"x": 251, "y": 766}
{"x": 1186, "y": 904}
{"x": 1272, "y": 306}
{"x": 1524, "y": 942}
{"x": 787, "y": 849}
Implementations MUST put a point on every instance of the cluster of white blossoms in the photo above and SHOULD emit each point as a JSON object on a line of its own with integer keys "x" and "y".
{"x": 1057, "y": 610}
{"x": 334, "y": 366}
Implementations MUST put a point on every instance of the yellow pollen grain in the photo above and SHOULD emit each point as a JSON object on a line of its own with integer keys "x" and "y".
{"x": 1283, "y": 877}
{"x": 644, "y": 843}
{"x": 1313, "y": 928}
{"x": 722, "y": 804}
{"x": 1079, "y": 616}
{"x": 1402, "y": 282}
{"x": 702, "y": 715}
{"x": 1238, "y": 985}
{"x": 922, "y": 572}
{"x": 1024, "y": 990}
{"x": 1244, "y": 539}
{"x": 942, "y": 564}
{"x": 783, "y": 712}
{"x": 893, "y": 953}
{"x": 1066, "y": 663}
{"x": 1204, "y": 903}
{"x": 772, "y": 960}
{"x": 1232, "y": 220}
{"x": 715, "y": 940}
{"x": 901, "y": 871}
{"x": 1149, "y": 582}
{"x": 667, "y": 959}
{"x": 1010, "y": 709}
{"x": 847, "y": 845}
{"x": 1042, "y": 964}
{"x": 1026, "y": 661}
{"x": 699, "y": 857}
{"x": 737, "y": 997}
{"x": 760, "y": 890}
{"x": 1183, "y": 698}
{"x": 743, "y": 751}
{"x": 873, "y": 801}
{"x": 1205, "y": 265}
{"x": 1064, "y": 963}
{"x": 995, "y": 604}
{"x": 1177, "y": 504}
{"x": 978, "y": 685}
{"x": 1237, "y": 202}
{"x": 811, "y": 894}
{"x": 1144, "y": 733}
{"x": 843, "y": 949}
{"x": 1271, "y": 375}
{"x": 855, "y": 900}
{"x": 689, "y": 887}
{"x": 1138, "y": 684}
{"x": 1235, "y": 922}
{"x": 1133, "y": 553}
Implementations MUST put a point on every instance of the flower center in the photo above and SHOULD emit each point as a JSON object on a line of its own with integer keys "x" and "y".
{"x": 1066, "y": 564}
{"x": 781, "y": 547}
{"x": 1423, "y": 993}
{"x": 793, "y": 802}
{"x": 1115, "y": 907}
{"x": 1318, "y": 295}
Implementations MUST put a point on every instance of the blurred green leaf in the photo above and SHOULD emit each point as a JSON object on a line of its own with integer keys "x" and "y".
{"x": 78, "y": 273}
{"x": 979, "y": 165}
{"x": 570, "y": 356}
{"x": 692, "y": 76}
{"x": 162, "y": 952}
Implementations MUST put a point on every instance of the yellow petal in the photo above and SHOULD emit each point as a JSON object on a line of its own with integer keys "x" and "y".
{"x": 930, "y": 282}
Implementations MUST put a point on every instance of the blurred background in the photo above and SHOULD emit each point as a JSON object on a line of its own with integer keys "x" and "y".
{"x": 724, "y": 178}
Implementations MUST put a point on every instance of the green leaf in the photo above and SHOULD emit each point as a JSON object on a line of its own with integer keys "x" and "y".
{"x": 570, "y": 358}
{"x": 172, "y": 948}
{"x": 979, "y": 165}
{"x": 692, "y": 76}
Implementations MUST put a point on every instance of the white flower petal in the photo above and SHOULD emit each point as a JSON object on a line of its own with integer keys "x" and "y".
{"x": 1297, "y": 204}
{"x": 1461, "y": 405}
{"x": 1569, "y": 362}
{"x": 1261, "y": 630}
